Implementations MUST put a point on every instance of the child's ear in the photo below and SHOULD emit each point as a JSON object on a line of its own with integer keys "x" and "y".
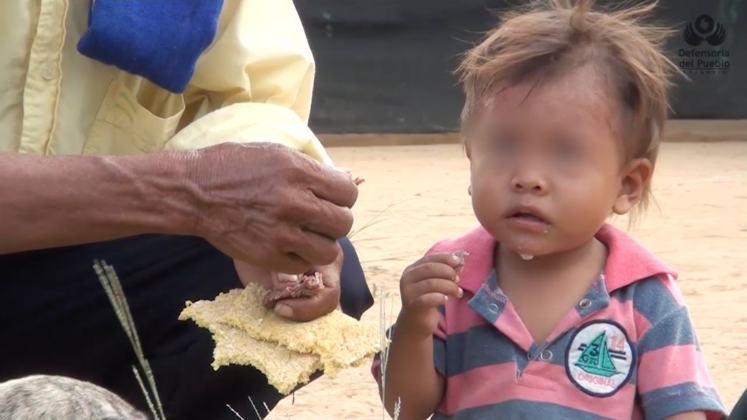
{"x": 466, "y": 147}
{"x": 636, "y": 175}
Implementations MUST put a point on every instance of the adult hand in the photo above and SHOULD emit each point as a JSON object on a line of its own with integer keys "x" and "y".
{"x": 271, "y": 206}
{"x": 305, "y": 308}
{"x": 323, "y": 302}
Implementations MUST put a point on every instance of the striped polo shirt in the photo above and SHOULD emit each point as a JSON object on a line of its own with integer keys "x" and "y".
{"x": 628, "y": 350}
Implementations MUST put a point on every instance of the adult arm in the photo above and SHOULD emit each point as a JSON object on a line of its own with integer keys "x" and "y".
{"x": 50, "y": 201}
{"x": 285, "y": 216}
{"x": 258, "y": 77}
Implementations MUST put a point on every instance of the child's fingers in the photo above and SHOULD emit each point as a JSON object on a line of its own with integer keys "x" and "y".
{"x": 452, "y": 259}
{"x": 430, "y": 270}
{"x": 428, "y": 301}
{"x": 441, "y": 286}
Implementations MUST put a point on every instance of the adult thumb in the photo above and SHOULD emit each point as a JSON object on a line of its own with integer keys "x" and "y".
{"x": 309, "y": 308}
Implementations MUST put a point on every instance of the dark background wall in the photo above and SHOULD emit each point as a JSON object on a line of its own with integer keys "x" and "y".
{"x": 385, "y": 66}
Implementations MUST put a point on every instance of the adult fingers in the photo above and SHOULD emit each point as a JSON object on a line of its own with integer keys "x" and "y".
{"x": 289, "y": 262}
{"x": 263, "y": 256}
{"x": 294, "y": 250}
{"x": 282, "y": 254}
{"x": 249, "y": 273}
{"x": 323, "y": 180}
{"x": 306, "y": 309}
{"x": 326, "y": 219}
{"x": 331, "y": 273}
{"x": 334, "y": 185}
{"x": 315, "y": 249}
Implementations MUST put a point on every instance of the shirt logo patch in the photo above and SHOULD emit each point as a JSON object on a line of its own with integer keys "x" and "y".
{"x": 600, "y": 358}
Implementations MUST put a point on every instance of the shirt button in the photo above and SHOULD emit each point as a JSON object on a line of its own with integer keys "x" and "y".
{"x": 47, "y": 71}
{"x": 493, "y": 308}
{"x": 584, "y": 304}
{"x": 546, "y": 355}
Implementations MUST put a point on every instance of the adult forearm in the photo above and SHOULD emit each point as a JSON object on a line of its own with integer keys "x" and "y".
{"x": 411, "y": 379}
{"x": 50, "y": 201}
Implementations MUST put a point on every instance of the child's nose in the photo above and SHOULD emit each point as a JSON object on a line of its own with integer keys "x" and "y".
{"x": 529, "y": 182}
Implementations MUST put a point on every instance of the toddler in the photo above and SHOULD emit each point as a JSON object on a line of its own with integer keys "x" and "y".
{"x": 545, "y": 311}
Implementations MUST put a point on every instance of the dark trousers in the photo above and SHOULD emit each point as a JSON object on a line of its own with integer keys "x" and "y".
{"x": 56, "y": 319}
{"x": 739, "y": 412}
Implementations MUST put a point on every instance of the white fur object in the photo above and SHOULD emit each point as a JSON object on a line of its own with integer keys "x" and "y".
{"x": 49, "y": 397}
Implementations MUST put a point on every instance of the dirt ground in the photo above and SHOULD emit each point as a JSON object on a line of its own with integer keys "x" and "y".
{"x": 416, "y": 195}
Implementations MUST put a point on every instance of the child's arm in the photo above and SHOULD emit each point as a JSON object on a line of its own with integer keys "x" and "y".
{"x": 673, "y": 379}
{"x": 692, "y": 415}
{"x": 409, "y": 383}
{"x": 411, "y": 379}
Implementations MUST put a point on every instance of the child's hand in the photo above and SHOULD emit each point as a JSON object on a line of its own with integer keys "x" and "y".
{"x": 426, "y": 285}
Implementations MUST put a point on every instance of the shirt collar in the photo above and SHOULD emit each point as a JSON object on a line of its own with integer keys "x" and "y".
{"x": 627, "y": 260}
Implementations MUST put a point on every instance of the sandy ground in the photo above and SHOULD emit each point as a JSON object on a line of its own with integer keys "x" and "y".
{"x": 414, "y": 196}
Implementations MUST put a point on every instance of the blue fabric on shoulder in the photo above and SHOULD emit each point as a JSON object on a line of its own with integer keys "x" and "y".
{"x": 159, "y": 40}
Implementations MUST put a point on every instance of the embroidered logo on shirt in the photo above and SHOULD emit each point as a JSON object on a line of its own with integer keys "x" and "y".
{"x": 600, "y": 358}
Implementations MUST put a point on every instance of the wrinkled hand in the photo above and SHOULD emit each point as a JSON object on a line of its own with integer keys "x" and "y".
{"x": 301, "y": 309}
{"x": 271, "y": 206}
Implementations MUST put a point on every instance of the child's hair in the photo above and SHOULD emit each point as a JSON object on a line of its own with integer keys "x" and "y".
{"x": 547, "y": 37}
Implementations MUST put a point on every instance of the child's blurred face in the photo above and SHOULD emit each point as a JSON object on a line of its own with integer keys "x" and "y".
{"x": 547, "y": 172}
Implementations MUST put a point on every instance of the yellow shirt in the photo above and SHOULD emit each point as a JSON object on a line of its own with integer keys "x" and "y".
{"x": 254, "y": 83}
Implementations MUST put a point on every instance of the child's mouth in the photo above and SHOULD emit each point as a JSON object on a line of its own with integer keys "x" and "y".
{"x": 528, "y": 217}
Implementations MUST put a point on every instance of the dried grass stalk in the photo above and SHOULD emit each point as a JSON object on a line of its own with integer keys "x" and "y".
{"x": 113, "y": 288}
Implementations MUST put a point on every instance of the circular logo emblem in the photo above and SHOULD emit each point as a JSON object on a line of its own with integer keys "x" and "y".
{"x": 599, "y": 358}
{"x": 704, "y": 24}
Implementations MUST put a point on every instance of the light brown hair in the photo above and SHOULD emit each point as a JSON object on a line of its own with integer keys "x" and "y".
{"x": 545, "y": 38}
